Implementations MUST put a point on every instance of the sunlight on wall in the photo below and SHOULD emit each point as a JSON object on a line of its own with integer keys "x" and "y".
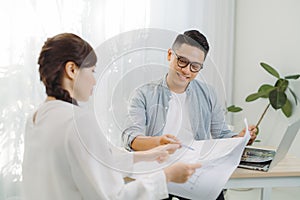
{"x": 27, "y": 22}
{"x": 133, "y": 14}
{"x": 27, "y": 25}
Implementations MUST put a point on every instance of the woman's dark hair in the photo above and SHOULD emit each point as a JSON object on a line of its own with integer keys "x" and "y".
{"x": 192, "y": 38}
{"x": 55, "y": 53}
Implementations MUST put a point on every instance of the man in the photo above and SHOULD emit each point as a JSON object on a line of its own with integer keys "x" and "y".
{"x": 178, "y": 106}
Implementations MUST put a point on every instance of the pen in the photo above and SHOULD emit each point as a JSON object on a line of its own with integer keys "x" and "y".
{"x": 183, "y": 145}
{"x": 188, "y": 147}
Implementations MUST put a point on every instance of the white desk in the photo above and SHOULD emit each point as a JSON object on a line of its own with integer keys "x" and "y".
{"x": 284, "y": 174}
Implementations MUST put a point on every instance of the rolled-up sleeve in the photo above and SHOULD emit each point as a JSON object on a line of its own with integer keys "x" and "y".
{"x": 135, "y": 120}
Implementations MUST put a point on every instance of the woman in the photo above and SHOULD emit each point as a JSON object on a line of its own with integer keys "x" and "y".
{"x": 65, "y": 157}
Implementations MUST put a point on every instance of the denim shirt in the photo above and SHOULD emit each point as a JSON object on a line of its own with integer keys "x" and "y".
{"x": 149, "y": 105}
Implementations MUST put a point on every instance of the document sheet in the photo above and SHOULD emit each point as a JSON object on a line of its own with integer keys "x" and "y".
{"x": 219, "y": 158}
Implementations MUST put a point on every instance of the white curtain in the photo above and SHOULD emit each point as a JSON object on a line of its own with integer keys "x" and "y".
{"x": 25, "y": 25}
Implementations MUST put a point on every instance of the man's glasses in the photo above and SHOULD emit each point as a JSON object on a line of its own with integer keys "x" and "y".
{"x": 183, "y": 62}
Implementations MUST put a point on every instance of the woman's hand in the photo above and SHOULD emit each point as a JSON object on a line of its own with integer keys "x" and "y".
{"x": 180, "y": 172}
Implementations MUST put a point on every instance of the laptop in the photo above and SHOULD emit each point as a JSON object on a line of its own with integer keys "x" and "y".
{"x": 263, "y": 159}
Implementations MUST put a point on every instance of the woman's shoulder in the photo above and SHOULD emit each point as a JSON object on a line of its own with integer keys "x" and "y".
{"x": 55, "y": 109}
{"x": 57, "y": 106}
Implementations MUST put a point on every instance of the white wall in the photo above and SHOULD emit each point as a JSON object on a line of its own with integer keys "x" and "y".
{"x": 268, "y": 31}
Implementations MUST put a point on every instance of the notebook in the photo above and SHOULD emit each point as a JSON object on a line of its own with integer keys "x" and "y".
{"x": 263, "y": 159}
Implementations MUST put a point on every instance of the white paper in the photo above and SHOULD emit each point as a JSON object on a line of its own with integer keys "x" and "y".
{"x": 219, "y": 158}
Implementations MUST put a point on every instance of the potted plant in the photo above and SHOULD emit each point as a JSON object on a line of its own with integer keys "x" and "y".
{"x": 276, "y": 94}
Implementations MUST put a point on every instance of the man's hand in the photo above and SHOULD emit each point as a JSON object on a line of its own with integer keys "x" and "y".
{"x": 253, "y": 130}
{"x": 142, "y": 143}
{"x": 159, "y": 154}
{"x": 168, "y": 139}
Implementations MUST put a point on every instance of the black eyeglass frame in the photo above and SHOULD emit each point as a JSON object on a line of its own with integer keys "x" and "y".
{"x": 188, "y": 63}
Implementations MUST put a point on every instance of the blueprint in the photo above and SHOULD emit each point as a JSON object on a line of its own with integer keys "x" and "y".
{"x": 219, "y": 158}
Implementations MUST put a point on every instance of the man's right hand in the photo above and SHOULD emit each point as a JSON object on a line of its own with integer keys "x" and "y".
{"x": 142, "y": 143}
{"x": 160, "y": 153}
{"x": 167, "y": 139}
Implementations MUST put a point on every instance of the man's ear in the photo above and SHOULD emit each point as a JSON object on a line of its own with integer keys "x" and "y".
{"x": 71, "y": 70}
{"x": 169, "y": 54}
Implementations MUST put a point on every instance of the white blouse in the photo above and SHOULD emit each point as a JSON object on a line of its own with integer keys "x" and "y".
{"x": 67, "y": 158}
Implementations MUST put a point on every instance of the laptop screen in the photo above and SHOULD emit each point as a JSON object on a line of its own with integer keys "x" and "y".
{"x": 263, "y": 159}
{"x": 286, "y": 142}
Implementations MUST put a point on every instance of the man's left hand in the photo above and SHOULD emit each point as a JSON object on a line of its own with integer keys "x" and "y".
{"x": 253, "y": 130}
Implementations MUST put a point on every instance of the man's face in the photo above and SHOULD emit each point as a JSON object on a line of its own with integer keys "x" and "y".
{"x": 178, "y": 78}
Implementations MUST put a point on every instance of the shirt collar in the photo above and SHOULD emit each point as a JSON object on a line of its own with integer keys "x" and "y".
{"x": 165, "y": 85}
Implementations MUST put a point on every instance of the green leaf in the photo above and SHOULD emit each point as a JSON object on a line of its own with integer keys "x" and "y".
{"x": 292, "y": 76}
{"x": 234, "y": 108}
{"x": 265, "y": 89}
{"x": 252, "y": 97}
{"x": 270, "y": 69}
{"x": 277, "y": 99}
{"x": 282, "y": 84}
{"x": 257, "y": 132}
{"x": 287, "y": 108}
{"x": 261, "y": 94}
{"x": 294, "y": 95}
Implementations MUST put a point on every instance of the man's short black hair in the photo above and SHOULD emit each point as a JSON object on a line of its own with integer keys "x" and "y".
{"x": 193, "y": 38}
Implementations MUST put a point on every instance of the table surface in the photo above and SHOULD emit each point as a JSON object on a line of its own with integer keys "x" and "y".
{"x": 287, "y": 167}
